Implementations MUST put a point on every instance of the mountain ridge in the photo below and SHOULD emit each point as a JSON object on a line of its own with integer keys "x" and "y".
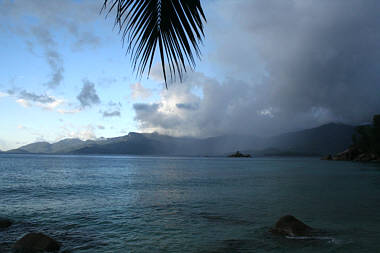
{"x": 321, "y": 140}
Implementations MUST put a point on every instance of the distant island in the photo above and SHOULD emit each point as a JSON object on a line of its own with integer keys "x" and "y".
{"x": 238, "y": 154}
{"x": 365, "y": 145}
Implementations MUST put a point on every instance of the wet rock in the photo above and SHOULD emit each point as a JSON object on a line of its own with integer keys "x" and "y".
{"x": 36, "y": 242}
{"x": 5, "y": 223}
{"x": 290, "y": 226}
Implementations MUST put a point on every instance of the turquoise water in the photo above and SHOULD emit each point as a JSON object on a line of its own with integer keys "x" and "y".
{"x": 164, "y": 204}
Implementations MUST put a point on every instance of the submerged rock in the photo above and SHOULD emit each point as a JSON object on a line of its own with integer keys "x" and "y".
{"x": 291, "y": 226}
{"x": 5, "y": 223}
{"x": 36, "y": 242}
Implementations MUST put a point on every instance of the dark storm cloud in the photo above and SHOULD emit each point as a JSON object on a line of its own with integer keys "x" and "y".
{"x": 291, "y": 65}
{"x": 321, "y": 56}
{"x": 88, "y": 96}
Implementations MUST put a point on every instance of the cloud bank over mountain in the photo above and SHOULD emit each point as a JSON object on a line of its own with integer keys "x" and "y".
{"x": 283, "y": 65}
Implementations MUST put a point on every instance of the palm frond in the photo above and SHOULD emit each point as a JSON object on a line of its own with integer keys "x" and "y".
{"x": 174, "y": 26}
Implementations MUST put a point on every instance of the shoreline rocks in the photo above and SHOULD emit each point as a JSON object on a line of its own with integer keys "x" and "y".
{"x": 289, "y": 225}
{"x": 353, "y": 154}
{"x": 36, "y": 242}
{"x": 5, "y": 223}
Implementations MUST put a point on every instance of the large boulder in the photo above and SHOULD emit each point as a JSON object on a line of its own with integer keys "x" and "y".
{"x": 36, "y": 242}
{"x": 290, "y": 226}
{"x": 4, "y": 223}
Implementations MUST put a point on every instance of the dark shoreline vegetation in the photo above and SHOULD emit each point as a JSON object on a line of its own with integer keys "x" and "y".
{"x": 365, "y": 144}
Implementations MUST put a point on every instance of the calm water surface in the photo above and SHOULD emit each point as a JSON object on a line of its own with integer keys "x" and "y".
{"x": 164, "y": 204}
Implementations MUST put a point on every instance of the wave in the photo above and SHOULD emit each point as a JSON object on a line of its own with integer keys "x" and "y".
{"x": 325, "y": 238}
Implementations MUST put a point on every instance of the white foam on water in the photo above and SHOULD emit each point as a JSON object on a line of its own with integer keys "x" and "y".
{"x": 327, "y": 238}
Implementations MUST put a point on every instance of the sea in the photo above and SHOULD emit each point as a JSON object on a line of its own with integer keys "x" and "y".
{"x": 189, "y": 204}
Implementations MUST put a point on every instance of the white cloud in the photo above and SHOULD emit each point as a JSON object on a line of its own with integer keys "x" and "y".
{"x": 86, "y": 132}
{"x": 2, "y": 94}
{"x": 156, "y": 73}
{"x": 267, "y": 112}
{"x": 68, "y": 111}
{"x": 23, "y": 102}
{"x": 5, "y": 145}
{"x": 51, "y": 106}
{"x": 44, "y": 101}
{"x": 139, "y": 91}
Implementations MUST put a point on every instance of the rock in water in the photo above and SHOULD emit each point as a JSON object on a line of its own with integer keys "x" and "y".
{"x": 36, "y": 242}
{"x": 291, "y": 226}
{"x": 4, "y": 223}
{"x": 238, "y": 154}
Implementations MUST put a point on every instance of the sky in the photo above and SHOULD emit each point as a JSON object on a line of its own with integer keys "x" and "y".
{"x": 267, "y": 67}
